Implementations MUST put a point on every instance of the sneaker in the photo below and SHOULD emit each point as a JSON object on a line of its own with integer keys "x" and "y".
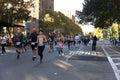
{"x": 40, "y": 61}
{"x": 33, "y": 58}
{"x": 18, "y": 56}
{"x": 60, "y": 55}
{"x": 17, "y": 51}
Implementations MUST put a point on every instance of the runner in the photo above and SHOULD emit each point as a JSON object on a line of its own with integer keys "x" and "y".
{"x": 77, "y": 39}
{"x": 24, "y": 43}
{"x": 60, "y": 43}
{"x": 72, "y": 42}
{"x": 17, "y": 39}
{"x": 51, "y": 42}
{"x": 3, "y": 44}
{"x": 68, "y": 42}
{"x": 33, "y": 43}
{"x": 41, "y": 39}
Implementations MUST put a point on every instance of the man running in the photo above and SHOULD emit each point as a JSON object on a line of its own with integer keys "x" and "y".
{"x": 17, "y": 38}
{"x": 51, "y": 42}
{"x": 33, "y": 42}
{"x": 24, "y": 42}
{"x": 3, "y": 44}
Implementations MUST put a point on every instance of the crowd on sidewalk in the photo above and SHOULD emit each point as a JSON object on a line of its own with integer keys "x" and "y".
{"x": 38, "y": 41}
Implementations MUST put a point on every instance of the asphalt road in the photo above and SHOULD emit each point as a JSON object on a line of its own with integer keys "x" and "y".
{"x": 77, "y": 64}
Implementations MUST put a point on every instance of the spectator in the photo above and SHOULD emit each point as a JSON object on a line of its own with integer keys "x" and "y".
{"x": 94, "y": 43}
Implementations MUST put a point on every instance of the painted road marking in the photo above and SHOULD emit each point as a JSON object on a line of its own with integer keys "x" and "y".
{"x": 72, "y": 53}
{"x": 115, "y": 69}
{"x": 80, "y": 52}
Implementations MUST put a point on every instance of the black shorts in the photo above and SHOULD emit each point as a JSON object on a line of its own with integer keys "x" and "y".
{"x": 18, "y": 44}
{"x": 24, "y": 44}
{"x": 50, "y": 43}
{"x": 33, "y": 45}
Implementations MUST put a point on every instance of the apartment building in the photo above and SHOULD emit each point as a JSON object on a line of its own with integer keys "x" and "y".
{"x": 46, "y": 5}
{"x": 34, "y": 22}
{"x": 38, "y": 11}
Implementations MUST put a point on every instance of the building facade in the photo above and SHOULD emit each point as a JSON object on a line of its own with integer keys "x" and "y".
{"x": 34, "y": 21}
{"x": 38, "y": 11}
{"x": 46, "y": 5}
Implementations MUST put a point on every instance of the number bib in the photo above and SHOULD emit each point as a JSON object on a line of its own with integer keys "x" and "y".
{"x": 18, "y": 43}
{"x": 32, "y": 43}
{"x": 41, "y": 41}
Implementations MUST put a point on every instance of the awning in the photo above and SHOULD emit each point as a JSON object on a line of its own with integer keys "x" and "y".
{"x": 5, "y": 24}
{"x": 16, "y": 25}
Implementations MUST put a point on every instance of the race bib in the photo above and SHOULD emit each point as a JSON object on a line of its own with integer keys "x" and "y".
{"x": 41, "y": 41}
{"x": 32, "y": 43}
{"x": 18, "y": 43}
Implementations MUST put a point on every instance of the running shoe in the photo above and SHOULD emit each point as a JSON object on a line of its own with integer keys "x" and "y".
{"x": 33, "y": 58}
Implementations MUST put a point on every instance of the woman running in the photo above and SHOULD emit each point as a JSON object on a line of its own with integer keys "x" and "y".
{"x": 41, "y": 39}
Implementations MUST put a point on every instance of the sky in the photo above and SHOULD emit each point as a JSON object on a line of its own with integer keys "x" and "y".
{"x": 72, "y": 5}
{"x": 68, "y": 5}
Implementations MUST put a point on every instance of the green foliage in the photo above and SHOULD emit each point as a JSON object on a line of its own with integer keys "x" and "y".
{"x": 114, "y": 31}
{"x": 60, "y": 23}
{"x": 97, "y": 32}
{"x": 101, "y": 12}
{"x": 12, "y": 10}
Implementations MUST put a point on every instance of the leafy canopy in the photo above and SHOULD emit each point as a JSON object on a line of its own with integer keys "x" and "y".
{"x": 56, "y": 21}
{"x": 102, "y": 13}
{"x": 15, "y": 10}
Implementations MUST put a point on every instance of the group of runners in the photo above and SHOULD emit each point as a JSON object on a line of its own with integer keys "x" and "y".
{"x": 20, "y": 41}
{"x": 37, "y": 40}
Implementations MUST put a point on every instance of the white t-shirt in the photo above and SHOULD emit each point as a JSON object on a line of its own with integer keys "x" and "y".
{"x": 3, "y": 40}
{"x": 77, "y": 38}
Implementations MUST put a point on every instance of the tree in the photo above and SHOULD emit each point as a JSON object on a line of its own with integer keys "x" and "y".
{"x": 12, "y": 10}
{"x": 97, "y": 33}
{"x": 101, "y": 12}
{"x": 56, "y": 21}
